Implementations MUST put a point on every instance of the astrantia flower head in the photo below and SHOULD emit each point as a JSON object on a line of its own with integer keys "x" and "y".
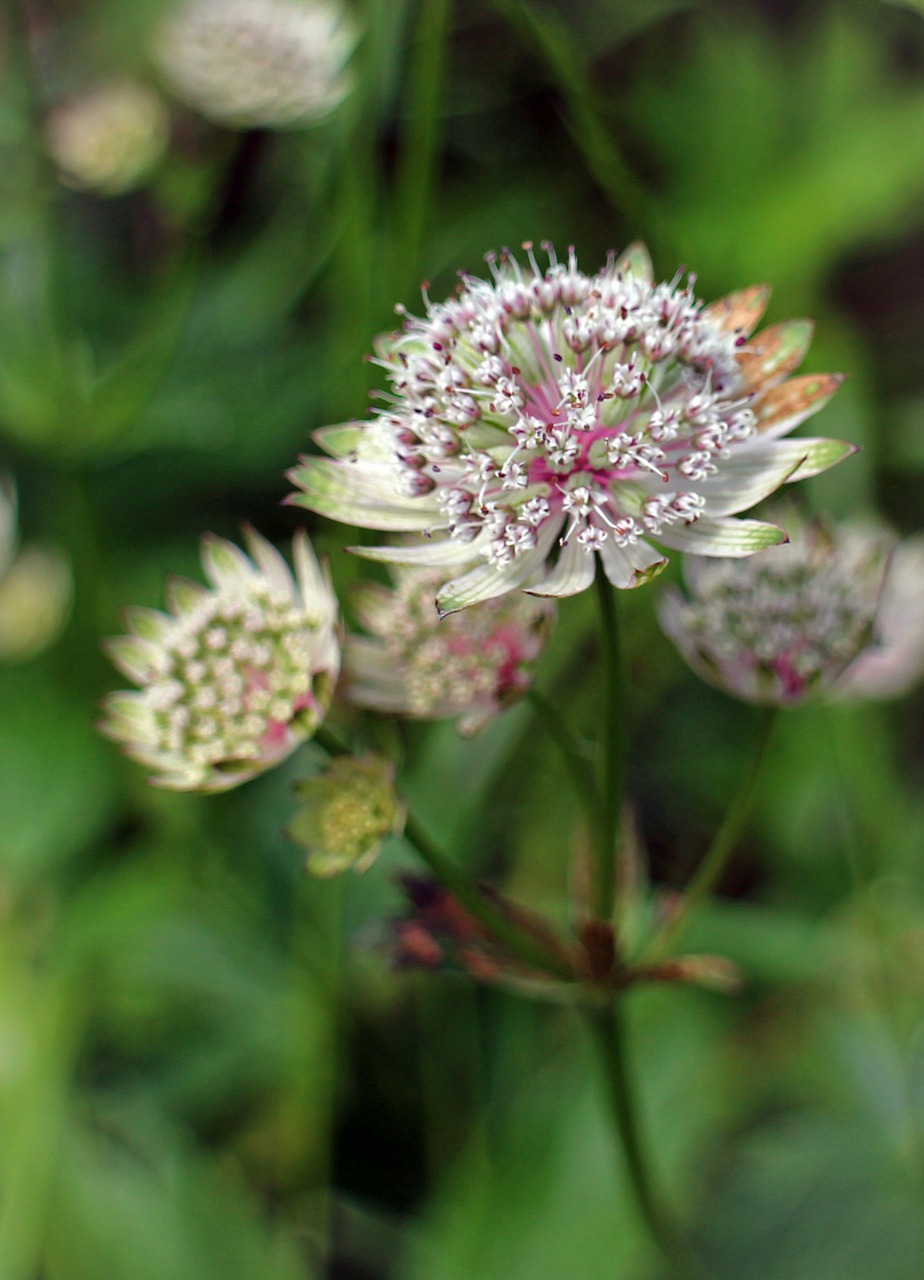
{"x": 784, "y": 624}
{"x": 471, "y": 665}
{"x": 894, "y": 662}
{"x": 269, "y": 63}
{"x": 109, "y": 138}
{"x": 235, "y": 676}
{"x": 544, "y": 417}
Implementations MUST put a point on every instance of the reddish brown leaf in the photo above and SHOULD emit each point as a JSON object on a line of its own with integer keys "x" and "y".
{"x": 775, "y": 352}
{"x": 740, "y": 311}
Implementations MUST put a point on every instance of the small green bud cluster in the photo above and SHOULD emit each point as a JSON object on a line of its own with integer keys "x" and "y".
{"x": 347, "y": 811}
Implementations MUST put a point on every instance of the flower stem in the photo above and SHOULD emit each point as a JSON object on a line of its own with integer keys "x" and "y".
{"x": 578, "y": 766}
{"x": 607, "y": 1030}
{"x": 724, "y": 842}
{"x": 611, "y": 776}
{"x": 505, "y": 930}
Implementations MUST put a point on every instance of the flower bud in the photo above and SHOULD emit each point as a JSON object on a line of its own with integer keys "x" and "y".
{"x": 347, "y": 811}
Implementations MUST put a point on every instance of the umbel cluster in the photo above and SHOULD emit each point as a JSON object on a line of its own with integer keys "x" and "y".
{"x": 539, "y": 427}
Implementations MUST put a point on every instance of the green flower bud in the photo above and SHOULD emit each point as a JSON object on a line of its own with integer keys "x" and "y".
{"x": 347, "y": 812}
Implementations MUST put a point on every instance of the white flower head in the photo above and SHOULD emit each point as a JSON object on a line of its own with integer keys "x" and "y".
{"x": 470, "y": 666}
{"x": 35, "y": 588}
{"x": 269, "y": 63}
{"x": 784, "y": 624}
{"x": 109, "y": 138}
{"x": 894, "y": 662}
{"x": 235, "y": 677}
{"x": 624, "y": 411}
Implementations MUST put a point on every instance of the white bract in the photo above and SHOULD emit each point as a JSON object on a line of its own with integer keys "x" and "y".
{"x": 267, "y": 63}
{"x": 787, "y": 623}
{"x": 233, "y": 678}
{"x": 541, "y": 419}
{"x": 471, "y": 666}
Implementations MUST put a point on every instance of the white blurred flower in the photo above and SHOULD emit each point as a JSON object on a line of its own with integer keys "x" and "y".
{"x": 35, "y": 588}
{"x": 109, "y": 138}
{"x": 471, "y": 665}
{"x": 543, "y": 418}
{"x": 265, "y": 63}
{"x": 787, "y": 623}
{"x": 894, "y": 662}
{"x": 234, "y": 678}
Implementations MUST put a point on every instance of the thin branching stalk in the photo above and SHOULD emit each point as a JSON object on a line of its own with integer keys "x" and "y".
{"x": 505, "y": 930}
{"x": 609, "y": 1039}
{"x": 724, "y": 842}
{"x": 611, "y": 763}
{"x": 573, "y": 757}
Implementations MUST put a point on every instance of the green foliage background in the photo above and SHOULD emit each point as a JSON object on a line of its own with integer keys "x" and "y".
{"x": 207, "y": 1071}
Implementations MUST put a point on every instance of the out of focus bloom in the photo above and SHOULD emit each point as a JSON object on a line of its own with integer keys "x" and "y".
{"x": 266, "y": 63}
{"x": 544, "y": 417}
{"x": 109, "y": 138}
{"x": 471, "y": 665}
{"x": 234, "y": 677}
{"x": 894, "y": 663}
{"x": 347, "y": 811}
{"x": 787, "y": 623}
{"x": 35, "y": 588}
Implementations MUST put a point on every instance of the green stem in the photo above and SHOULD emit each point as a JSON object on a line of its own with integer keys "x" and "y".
{"x": 529, "y": 949}
{"x": 574, "y": 758}
{"x": 416, "y": 168}
{"x": 609, "y": 1038}
{"x": 611, "y": 779}
{"x": 724, "y": 842}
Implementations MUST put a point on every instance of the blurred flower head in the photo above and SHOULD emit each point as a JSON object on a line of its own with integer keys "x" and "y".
{"x": 258, "y": 62}
{"x": 787, "y": 623}
{"x": 471, "y": 665}
{"x": 235, "y": 676}
{"x": 35, "y": 588}
{"x": 541, "y": 418}
{"x": 347, "y": 811}
{"x": 894, "y": 662}
{"x": 109, "y": 138}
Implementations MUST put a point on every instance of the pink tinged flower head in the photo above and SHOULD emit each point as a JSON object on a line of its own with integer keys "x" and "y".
{"x": 545, "y": 417}
{"x": 235, "y": 676}
{"x": 470, "y": 666}
{"x": 894, "y": 662}
{"x": 784, "y": 624}
{"x": 269, "y": 63}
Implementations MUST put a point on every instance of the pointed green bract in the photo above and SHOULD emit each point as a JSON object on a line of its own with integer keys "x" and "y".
{"x": 728, "y": 537}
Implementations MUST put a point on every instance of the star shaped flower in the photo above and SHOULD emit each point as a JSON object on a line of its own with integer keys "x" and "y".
{"x": 235, "y": 676}
{"x": 543, "y": 419}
